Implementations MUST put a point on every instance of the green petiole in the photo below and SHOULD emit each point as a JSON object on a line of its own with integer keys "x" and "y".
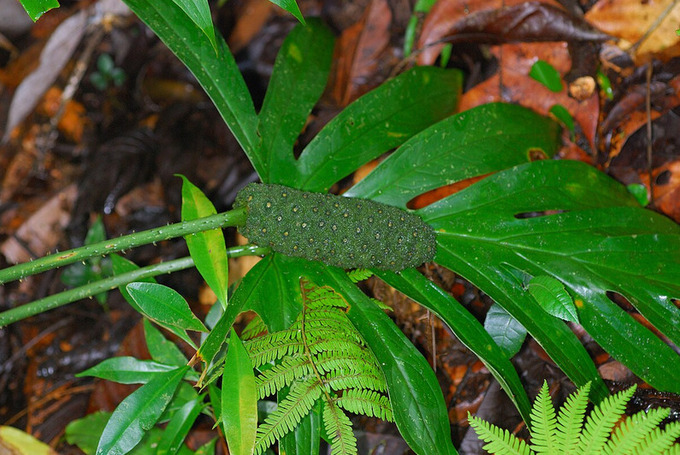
{"x": 220, "y": 220}
{"x": 88, "y": 290}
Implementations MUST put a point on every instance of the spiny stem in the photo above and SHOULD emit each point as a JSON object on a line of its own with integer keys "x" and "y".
{"x": 231, "y": 218}
{"x": 107, "y": 284}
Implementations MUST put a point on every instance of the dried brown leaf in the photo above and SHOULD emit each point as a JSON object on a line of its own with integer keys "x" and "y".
{"x": 490, "y": 24}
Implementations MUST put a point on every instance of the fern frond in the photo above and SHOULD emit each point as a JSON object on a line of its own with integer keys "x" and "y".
{"x": 288, "y": 414}
{"x": 357, "y": 275}
{"x": 339, "y": 428}
{"x": 345, "y": 362}
{"x": 601, "y": 421}
{"x": 543, "y": 423}
{"x": 282, "y": 375}
{"x": 254, "y": 328}
{"x": 275, "y": 347}
{"x": 366, "y": 402}
{"x": 348, "y": 346}
{"x": 499, "y": 441}
{"x": 673, "y": 450}
{"x": 342, "y": 381}
{"x": 570, "y": 420}
{"x": 322, "y": 297}
{"x": 633, "y": 430}
{"x": 659, "y": 441}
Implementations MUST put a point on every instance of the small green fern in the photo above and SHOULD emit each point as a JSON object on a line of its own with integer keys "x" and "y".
{"x": 566, "y": 433}
{"x": 321, "y": 356}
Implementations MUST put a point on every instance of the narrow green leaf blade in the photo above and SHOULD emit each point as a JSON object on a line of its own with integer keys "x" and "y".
{"x": 292, "y": 7}
{"x": 553, "y": 298}
{"x": 127, "y": 370}
{"x": 217, "y": 72}
{"x": 301, "y": 68}
{"x": 161, "y": 349}
{"x": 36, "y": 8}
{"x": 199, "y": 12}
{"x": 476, "y": 142}
{"x": 179, "y": 426}
{"x": 207, "y": 248}
{"x": 276, "y": 278}
{"x": 466, "y": 328}
{"x": 416, "y": 398}
{"x": 138, "y": 413}
{"x": 239, "y": 399}
{"x": 377, "y": 122}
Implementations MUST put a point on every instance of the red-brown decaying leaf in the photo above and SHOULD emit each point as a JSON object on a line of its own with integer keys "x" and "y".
{"x": 358, "y": 51}
{"x": 631, "y": 19}
{"x": 518, "y": 87}
{"x": 491, "y": 23}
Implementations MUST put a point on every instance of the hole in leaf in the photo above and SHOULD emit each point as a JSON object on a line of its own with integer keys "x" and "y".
{"x": 436, "y": 194}
{"x": 663, "y": 178}
{"x": 536, "y": 154}
{"x": 524, "y": 215}
{"x": 621, "y": 301}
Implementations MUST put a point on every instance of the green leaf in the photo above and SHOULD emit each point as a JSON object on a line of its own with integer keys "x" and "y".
{"x": 120, "y": 265}
{"x": 239, "y": 399}
{"x": 208, "y": 448}
{"x": 639, "y": 191}
{"x": 36, "y": 8}
{"x": 466, "y": 328}
{"x": 138, "y": 413}
{"x": 127, "y": 370}
{"x": 161, "y": 349}
{"x": 505, "y": 330}
{"x": 591, "y": 235}
{"x": 292, "y": 7}
{"x": 301, "y": 67}
{"x": 562, "y": 114}
{"x": 217, "y": 73}
{"x": 16, "y": 442}
{"x": 179, "y": 426}
{"x": 85, "y": 432}
{"x": 570, "y": 420}
{"x": 207, "y": 248}
{"x": 164, "y": 305}
{"x": 276, "y": 278}
{"x": 199, "y": 12}
{"x": 547, "y": 75}
{"x": 377, "y": 122}
{"x": 416, "y": 398}
{"x": 476, "y": 142}
{"x": 553, "y": 298}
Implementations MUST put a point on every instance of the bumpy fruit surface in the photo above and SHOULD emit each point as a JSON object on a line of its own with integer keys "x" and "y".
{"x": 336, "y": 230}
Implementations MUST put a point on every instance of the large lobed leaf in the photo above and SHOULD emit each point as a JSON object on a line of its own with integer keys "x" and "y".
{"x": 590, "y": 234}
{"x": 476, "y": 142}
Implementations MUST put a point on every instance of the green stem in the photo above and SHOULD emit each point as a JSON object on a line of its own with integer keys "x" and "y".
{"x": 107, "y": 284}
{"x": 231, "y": 218}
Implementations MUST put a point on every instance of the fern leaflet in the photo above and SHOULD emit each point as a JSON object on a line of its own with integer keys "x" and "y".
{"x": 339, "y": 428}
{"x": 638, "y": 435}
{"x": 570, "y": 420}
{"x": 543, "y": 423}
{"x": 320, "y": 356}
{"x": 499, "y": 441}
{"x": 601, "y": 421}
